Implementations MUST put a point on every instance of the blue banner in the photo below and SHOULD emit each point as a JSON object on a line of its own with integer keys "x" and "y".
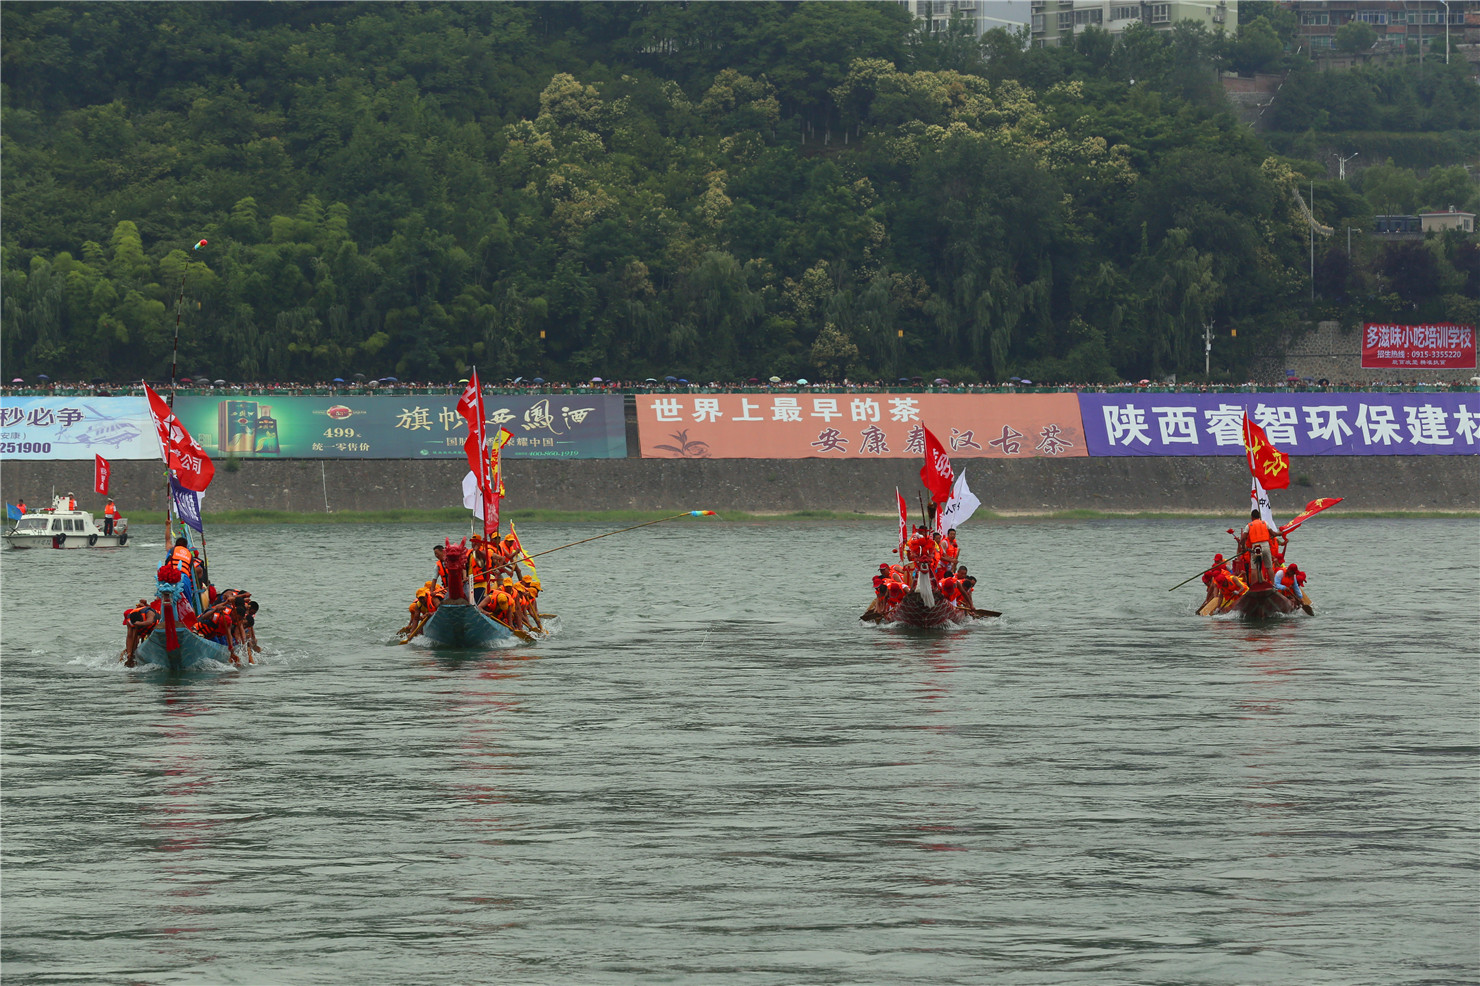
{"x": 54, "y": 428}
{"x": 1298, "y": 424}
{"x": 12, "y": 512}
{"x": 187, "y": 505}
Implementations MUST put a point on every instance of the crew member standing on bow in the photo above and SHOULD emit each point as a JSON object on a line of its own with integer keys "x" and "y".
{"x": 1256, "y": 533}
{"x": 110, "y": 517}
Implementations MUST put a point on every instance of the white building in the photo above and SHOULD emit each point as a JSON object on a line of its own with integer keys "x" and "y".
{"x": 1053, "y": 21}
{"x": 981, "y": 15}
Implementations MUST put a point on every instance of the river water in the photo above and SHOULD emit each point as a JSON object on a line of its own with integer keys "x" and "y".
{"x": 715, "y": 774}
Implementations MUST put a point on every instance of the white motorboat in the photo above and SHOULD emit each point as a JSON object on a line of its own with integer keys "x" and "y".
{"x": 62, "y": 525}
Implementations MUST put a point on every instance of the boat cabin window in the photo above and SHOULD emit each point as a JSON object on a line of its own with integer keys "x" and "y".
{"x": 32, "y": 525}
{"x": 73, "y": 524}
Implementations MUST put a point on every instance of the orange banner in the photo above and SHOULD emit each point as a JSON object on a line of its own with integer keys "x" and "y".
{"x": 885, "y": 426}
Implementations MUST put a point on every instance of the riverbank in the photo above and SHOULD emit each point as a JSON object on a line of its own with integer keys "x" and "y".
{"x": 615, "y": 489}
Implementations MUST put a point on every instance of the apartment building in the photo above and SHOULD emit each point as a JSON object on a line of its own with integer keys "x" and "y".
{"x": 1055, "y": 21}
{"x": 1425, "y": 23}
{"x": 980, "y": 15}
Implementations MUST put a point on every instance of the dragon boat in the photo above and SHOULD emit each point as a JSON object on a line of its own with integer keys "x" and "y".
{"x": 171, "y": 645}
{"x": 459, "y": 625}
{"x": 923, "y": 609}
{"x": 1257, "y": 582}
{"x": 926, "y": 589}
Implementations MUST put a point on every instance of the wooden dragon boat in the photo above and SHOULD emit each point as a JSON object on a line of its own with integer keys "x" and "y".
{"x": 922, "y": 609}
{"x": 173, "y": 647}
{"x": 1258, "y": 562}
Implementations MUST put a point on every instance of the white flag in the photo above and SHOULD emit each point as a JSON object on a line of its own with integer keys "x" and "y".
{"x": 1259, "y": 497}
{"x": 959, "y": 508}
{"x": 472, "y": 497}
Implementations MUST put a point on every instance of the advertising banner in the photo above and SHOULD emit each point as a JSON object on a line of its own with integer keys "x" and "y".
{"x": 1297, "y": 424}
{"x": 886, "y": 426}
{"x": 544, "y": 426}
{"x": 76, "y": 428}
{"x": 1441, "y": 346}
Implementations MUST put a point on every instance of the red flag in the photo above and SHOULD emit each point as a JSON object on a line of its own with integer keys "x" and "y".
{"x": 496, "y": 479}
{"x": 100, "y": 475}
{"x": 936, "y": 474}
{"x": 904, "y": 521}
{"x": 1266, "y": 463}
{"x": 1311, "y": 509}
{"x": 193, "y": 469}
{"x": 470, "y": 406}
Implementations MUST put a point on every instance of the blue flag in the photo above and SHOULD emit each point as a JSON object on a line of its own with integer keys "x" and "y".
{"x": 12, "y": 512}
{"x": 187, "y": 505}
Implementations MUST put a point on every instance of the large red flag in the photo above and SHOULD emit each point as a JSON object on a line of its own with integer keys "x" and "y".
{"x": 1311, "y": 509}
{"x": 100, "y": 475}
{"x": 193, "y": 469}
{"x": 470, "y": 406}
{"x": 936, "y": 474}
{"x": 1266, "y": 463}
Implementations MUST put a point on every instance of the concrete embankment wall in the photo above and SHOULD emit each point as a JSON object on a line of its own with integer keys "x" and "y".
{"x": 1213, "y": 485}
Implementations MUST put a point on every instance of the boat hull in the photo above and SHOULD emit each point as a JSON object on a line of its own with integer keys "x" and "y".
{"x": 23, "y": 541}
{"x": 460, "y": 625}
{"x": 193, "y": 651}
{"x": 914, "y": 611}
{"x": 1262, "y": 604}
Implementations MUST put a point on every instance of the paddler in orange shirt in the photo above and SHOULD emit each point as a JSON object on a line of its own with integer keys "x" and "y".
{"x": 480, "y": 567}
{"x": 1256, "y": 533}
{"x": 950, "y": 550}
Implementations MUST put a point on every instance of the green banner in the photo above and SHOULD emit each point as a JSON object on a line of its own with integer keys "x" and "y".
{"x": 580, "y": 426}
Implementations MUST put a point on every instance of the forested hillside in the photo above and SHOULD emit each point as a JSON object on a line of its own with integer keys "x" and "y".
{"x": 718, "y": 190}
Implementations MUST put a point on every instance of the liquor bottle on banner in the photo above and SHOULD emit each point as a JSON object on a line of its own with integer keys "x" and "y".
{"x": 235, "y": 421}
{"x": 265, "y": 432}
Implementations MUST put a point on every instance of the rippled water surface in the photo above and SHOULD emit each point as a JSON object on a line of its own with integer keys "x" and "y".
{"x": 716, "y": 774}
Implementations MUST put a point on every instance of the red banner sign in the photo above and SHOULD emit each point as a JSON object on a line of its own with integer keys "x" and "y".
{"x": 100, "y": 475}
{"x": 802, "y": 425}
{"x": 1439, "y": 346}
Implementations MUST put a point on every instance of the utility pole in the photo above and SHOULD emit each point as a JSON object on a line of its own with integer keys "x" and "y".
{"x": 1349, "y": 241}
{"x": 1312, "y": 241}
{"x": 1341, "y": 163}
{"x": 1207, "y": 348}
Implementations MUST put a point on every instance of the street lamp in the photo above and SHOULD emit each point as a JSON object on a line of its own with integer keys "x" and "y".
{"x": 1446, "y": 30}
{"x": 1341, "y": 163}
{"x": 1349, "y": 241}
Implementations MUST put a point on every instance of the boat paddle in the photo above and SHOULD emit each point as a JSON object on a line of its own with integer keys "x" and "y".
{"x": 687, "y": 513}
{"x": 523, "y": 635}
{"x": 1205, "y": 571}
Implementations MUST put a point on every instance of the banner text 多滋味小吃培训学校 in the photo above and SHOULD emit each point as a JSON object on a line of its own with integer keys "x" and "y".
{"x": 1431, "y": 346}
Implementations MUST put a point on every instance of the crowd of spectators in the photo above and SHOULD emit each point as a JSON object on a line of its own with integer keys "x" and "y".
{"x": 44, "y": 387}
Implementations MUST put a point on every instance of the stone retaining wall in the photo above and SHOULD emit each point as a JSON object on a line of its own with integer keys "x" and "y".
{"x": 776, "y": 486}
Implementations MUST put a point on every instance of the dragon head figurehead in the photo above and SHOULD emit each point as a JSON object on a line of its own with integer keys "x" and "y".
{"x": 455, "y": 568}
